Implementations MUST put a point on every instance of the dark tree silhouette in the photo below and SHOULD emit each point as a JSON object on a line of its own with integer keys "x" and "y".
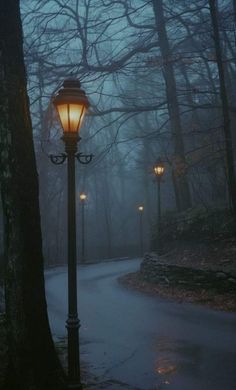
{"x": 182, "y": 191}
{"x": 225, "y": 107}
{"x": 33, "y": 363}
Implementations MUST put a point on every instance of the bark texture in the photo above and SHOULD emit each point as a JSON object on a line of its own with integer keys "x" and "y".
{"x": 33, "y": 363}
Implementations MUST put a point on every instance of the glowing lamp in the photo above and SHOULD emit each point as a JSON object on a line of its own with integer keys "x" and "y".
{"x": 71, "y": 104}
{"x": 159, "y": 168}
{"x": 83, "y": 197}
{"x": 140, "y": 208}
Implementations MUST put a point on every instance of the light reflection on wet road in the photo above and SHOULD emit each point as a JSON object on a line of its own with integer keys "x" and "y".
{"x": 148, "y": 343}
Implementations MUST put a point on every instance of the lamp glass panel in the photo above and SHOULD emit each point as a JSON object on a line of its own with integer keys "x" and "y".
{"x": 63, "y": 114}
{"x": 71, "y": 116}
{"x": 76, "y": 114}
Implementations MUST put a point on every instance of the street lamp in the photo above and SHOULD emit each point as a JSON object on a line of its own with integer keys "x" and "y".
{"x": 159, "y": 169}
{"x": 83, "y": 198}
{"x": 71, "y": 104}
{"x": 141, "y": 209}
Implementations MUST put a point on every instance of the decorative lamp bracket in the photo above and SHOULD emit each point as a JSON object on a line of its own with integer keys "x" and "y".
{"x": 84, "y": 158}
{"x": 58, "y": 159}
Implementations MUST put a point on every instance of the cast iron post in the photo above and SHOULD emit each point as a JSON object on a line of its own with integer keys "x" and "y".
{"x": 159, "y": 246}
{"x": 83, "y": 233}
{"x": 141, "y": 233}
{"x": 72, "y": 323}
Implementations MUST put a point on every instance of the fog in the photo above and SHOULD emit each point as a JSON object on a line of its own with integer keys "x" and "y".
{"x": 155, "y": 92}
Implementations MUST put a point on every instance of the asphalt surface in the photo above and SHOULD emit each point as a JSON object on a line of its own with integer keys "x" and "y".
{"x": 133, "y": 341}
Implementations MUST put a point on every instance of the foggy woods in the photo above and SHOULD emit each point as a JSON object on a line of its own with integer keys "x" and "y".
{"x": 160, "y": 76}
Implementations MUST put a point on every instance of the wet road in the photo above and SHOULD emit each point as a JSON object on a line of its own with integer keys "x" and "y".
{"x": 144, "y": 342}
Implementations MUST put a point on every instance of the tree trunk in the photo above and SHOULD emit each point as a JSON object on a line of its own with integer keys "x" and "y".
{"x": 234, "y": 7}
{"x": 225, "y": 107}
{"x": 33, "y": 363}
{"x": 182, "y": 191}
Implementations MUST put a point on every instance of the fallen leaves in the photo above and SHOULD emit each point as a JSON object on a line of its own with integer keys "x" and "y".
{"x": 226, "y": 302}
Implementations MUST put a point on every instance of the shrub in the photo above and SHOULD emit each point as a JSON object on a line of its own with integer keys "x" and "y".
{"x": 196, "y": 224}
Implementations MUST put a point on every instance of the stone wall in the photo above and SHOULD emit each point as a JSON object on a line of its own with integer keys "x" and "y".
{"x": 157, "y": 271}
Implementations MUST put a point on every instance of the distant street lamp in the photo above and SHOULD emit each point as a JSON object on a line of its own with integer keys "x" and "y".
{"x": 141, "y": 209}
{"x": 71, "y": 104}
{"x": 159, "y": 169}
{"x": 83, "y": 198}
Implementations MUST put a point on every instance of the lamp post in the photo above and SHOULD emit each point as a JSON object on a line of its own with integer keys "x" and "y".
{"x": 159, "y": 169}
{"x": 71, "y": 104}
{"x": 141, "y": 209}
{"x": 83, "y": 198}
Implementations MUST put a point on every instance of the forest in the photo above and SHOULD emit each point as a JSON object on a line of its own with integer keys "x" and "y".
{"x": 160, "y": 77}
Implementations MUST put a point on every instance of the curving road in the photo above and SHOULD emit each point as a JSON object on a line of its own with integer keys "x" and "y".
{"x": 134, "y": 341}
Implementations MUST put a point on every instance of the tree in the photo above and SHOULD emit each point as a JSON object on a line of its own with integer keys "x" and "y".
{"x": 225, "y": 106}
{"x": 33, "y": 363}
{"x": 182, "y": 191}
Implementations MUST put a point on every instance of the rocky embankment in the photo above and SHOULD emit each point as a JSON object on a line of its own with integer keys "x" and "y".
{"x": 158, "y": 271}
{"x": 187, "y": 279}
